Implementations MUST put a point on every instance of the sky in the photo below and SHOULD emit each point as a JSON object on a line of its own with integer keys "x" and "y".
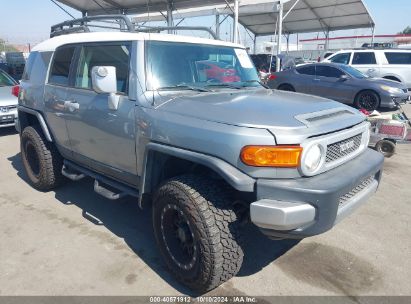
{"x": 29, "y": 21}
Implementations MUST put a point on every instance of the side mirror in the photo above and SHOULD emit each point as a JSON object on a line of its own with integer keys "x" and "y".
{"x": 104, "y": 80}
{"x": 344, "y": 77}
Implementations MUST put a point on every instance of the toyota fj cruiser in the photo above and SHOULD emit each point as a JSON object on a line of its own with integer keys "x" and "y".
{"x": 139, "y": 114}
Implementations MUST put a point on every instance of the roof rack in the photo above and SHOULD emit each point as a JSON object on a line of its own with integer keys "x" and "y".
{"x": 116, "y": 22}
{"x": 82, "y": 25}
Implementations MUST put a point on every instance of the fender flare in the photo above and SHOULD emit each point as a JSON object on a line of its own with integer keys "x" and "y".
{"x": 237, "y": 179}
{"x": 40, "y": 119}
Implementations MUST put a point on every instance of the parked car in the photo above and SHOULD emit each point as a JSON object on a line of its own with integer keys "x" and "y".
{"x": 341, "y": 83}
{"x": 8, "y": 102}
{"x": 392, "y": 64}
{"x": 213, "y": 71}
{"x": 205, "y": 156}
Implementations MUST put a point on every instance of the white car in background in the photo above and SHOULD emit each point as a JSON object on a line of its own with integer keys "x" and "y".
{"x": 8, "y": 102}
{"x": 393, "y": 64}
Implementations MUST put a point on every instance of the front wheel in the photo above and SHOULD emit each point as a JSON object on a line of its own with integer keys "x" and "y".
{"x": 197, "y": 231}
{"x": 368, "y": 100}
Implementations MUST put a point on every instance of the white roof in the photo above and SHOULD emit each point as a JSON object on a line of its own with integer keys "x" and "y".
{"x": 53, "y": 43}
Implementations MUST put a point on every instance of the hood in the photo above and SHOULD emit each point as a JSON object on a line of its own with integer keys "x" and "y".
{"x": 387, "y": 82}
{"x": 6, "y": 99}
{"x": 270, "y": 109}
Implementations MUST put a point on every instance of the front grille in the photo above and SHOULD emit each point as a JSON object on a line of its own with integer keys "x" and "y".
{"x": 5, "y": 109}
{"x": 362, "y": 186}
{"x": 343, "y": 148}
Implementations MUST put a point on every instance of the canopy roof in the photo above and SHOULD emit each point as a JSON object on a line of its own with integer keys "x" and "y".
{"x": 258, "y": 16}
{"x": 98, "y": 7}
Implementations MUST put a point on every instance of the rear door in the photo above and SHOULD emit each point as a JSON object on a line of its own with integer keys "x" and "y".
{"x": 304, "y": 78}
{"x": 366, "y": 62}
{"x": 55, "y": 95}
{"x": 101, "y": 138}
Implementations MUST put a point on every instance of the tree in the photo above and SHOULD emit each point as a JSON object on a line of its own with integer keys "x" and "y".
{"x": 5, "y": 47}
{"x": 407, "y": 30}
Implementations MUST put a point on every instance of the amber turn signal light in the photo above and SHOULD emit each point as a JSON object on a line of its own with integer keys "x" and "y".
{"x": 272, "y": 156}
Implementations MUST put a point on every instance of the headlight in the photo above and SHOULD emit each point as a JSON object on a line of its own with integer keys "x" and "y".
{"x": 312, "y": 159}
{"x": 391, "y": 89}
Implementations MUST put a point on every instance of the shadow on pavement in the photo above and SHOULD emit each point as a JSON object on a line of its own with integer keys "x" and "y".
{"x": 8, "y": 131}
{"x": 127, "y": 221}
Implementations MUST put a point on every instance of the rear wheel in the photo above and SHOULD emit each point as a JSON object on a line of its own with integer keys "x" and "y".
{"x": 286, "y": 87}
{"x": 41, "y": 160}
{"x": 386, "y": 147}
{"x": 197, "y": 231}
{"x": 368, "y": 100}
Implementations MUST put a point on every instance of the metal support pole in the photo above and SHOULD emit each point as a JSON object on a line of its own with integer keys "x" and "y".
{"x": 235, "y": 26}
{"x": 279, "y": 35}
{"x": 217, "y": 25}
{"x": 373, "y": 35}
{"x": 170, "y": 15}
{"x": 255, "y": 44}
{"x": 327, "y": 40}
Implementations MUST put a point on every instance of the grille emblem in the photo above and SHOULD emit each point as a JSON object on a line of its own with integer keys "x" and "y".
{"x": 4, "y": 109}
{"x": 346, "y": 146}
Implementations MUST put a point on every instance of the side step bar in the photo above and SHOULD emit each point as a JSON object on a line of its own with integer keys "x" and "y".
{"x": 76, "y": 172}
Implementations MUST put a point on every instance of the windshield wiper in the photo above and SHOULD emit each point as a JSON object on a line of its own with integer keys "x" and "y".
{"x": 224, "y": 85}
{"x": 184, "y": 87}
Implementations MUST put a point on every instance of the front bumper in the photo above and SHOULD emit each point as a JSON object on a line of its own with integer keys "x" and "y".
{"x": 298, "y": 208}
{"x": 7, "y": 119}
{"x": 391, "y": 100}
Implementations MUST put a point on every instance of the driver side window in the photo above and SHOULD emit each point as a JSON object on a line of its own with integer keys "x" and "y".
{"x": 104, "y": 55}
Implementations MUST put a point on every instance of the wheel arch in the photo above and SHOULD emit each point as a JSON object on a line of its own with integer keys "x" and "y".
{"x": 285, "y": 84}
{"x": 30, "y": 117}
{"x": 393, "y": 77}
{"x": 162, "y": 162}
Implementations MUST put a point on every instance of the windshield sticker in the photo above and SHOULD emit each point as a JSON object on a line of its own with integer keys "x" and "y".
{"x": 243, "y": 58}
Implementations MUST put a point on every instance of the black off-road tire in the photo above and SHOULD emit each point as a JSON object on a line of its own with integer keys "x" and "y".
{"x": 214, "y": 226}
{"x": 41, "y": 160}
{"x": 286, "y": 87}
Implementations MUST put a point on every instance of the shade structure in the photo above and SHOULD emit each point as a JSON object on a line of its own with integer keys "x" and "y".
{"x": 306, "y": 16}
{"x": 98, "y": 7}
{"x": 258, "y": 16}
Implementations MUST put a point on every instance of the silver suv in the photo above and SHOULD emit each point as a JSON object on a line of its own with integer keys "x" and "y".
{"x": 392, "y": 64}
{"x": 184, "y": 125}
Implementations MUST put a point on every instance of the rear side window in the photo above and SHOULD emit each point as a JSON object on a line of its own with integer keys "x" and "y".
{"x": 364, "y": 58}
{"x": 398, "y": 58}
{"x": 29, "y": 66}
{"x": 308, "y": 70}
{"x": 327, "y": 71}
{"x": 60, "y": 68}
{"x": 104, "y": 55}
{"x": 343, "y": 58}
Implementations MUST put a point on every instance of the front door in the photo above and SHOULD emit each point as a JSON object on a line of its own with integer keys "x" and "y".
{"x": 328, "y": 84}
{"x": 101, "y": 138}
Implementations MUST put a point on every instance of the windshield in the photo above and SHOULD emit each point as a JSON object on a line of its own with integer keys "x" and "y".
{"x": 353, "y": 72}
{"x": 174, "y": 65}
{"x": 6, "y": 80}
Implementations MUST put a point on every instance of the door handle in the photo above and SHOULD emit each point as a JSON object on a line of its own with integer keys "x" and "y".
{"x": 371, "y": 70}
{"x": 72, "y": 106}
